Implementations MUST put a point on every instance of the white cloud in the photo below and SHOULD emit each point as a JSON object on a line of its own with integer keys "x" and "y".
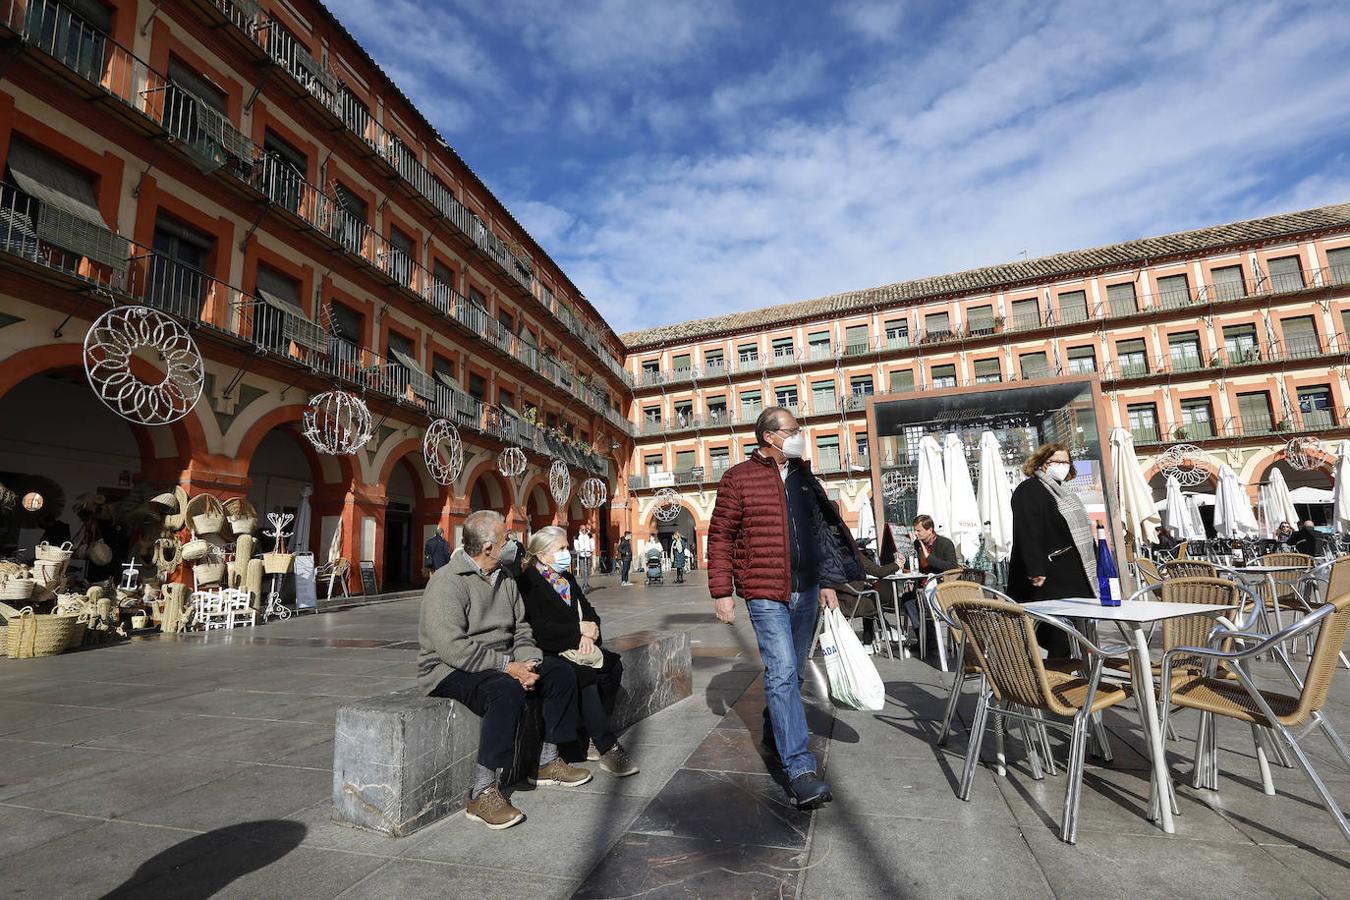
{"x": 792, "y": 77}
{"x": 1097, "y": 124}
{"x": 877, "y": 20}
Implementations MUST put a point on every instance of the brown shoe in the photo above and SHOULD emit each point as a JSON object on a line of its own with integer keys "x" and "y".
{"x": 592, "y": 752}
{"x": 618, "y": 763}
{"x": 493, "y": 810}
{"x": 560, "y": 773}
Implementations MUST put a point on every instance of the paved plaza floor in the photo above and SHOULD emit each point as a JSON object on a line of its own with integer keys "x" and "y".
{"x": 202, "y": 766}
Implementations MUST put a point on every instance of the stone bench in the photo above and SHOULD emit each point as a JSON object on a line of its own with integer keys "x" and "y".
{"x": 404, "y": 760}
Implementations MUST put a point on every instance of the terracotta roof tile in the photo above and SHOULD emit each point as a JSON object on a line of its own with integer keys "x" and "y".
{"x": 1042, "y": 268}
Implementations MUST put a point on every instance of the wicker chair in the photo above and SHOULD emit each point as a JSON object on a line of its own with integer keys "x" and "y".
{"x": 1242, "y": 700}
{"x": 1330, "y": 579}
{"x": 1181, "y": 550}
{"x": 1147, "y": 571}
{"x": 1017, "y": 685}
{"x": 1187, "y": 568}
{"x": 1284, "y": 586}
{"x": 965, "y": 573}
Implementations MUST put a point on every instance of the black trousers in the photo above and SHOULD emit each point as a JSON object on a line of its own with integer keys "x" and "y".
{"x": 624, "y": 566}
{"x": 597, "y": 692}
{"x": 499, "y": 700}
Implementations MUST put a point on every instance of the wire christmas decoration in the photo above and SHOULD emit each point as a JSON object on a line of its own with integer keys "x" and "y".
{"x": 1302, "y": 453}
{"x": 111, "y": 342}
{"x": 559, "y": 481}
{"x": 1187, "y": 463}
{"x": 892, "y": 484}
{"x": 593, "y": 493}
{"x": 442, "y": 451}
{"x": 337, "y": 423}
{"x": 667, "y": 505}
{"x": 511, "y": 462}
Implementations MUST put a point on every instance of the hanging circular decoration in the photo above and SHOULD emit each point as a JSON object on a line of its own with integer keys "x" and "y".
{"x": 593, "y": 492}
{"x": 337, "y": 423}
{"x": 1187, "y": 463}
{"x": 114, "y": 339}
{"x": 442, "y": 451}
{"x": 892, "y": 484}
{"x": 667, "y": 505}
{"x": 559, "y": 481}
{"x": 511, "y": 462}
{"x": 1302, "y": 453}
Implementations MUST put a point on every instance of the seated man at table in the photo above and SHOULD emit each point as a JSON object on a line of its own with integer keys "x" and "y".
{"x": 477, "y": 648}
{"x": 1305, "y": 541}
{"x": 935, "y": 553}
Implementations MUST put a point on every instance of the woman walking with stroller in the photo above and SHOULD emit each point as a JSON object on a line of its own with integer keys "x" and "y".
{"x": 679, "y": 557}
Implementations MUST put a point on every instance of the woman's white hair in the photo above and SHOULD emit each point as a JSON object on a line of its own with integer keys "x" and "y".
{"x": 543, "y": 539}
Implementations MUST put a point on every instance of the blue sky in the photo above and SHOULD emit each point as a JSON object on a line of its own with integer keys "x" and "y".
{"x": 688, "y": 159}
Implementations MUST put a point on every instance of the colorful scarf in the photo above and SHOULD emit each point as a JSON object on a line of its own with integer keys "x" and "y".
{"x": 559, "y": 582}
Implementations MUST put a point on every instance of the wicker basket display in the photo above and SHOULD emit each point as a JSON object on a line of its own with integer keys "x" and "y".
{"x": 209, "y": 573}
{"x": 177, "y": 519}
{"x": 243, "y": 515}
{"x": 205, "y": 514}
{"x": 49, "y": 573}
{"x": 31, "y": 635}
{"x": 45, "y": 552}
{"x": 277, "y": 563}
{"x": 17, "y": 588}
{"x": 195, "y": 549}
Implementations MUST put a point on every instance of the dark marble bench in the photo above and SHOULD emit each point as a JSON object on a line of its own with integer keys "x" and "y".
{"x": 404, "y": 760}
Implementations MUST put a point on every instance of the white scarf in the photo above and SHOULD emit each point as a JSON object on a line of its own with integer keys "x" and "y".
{"x": 1075, "y": 516}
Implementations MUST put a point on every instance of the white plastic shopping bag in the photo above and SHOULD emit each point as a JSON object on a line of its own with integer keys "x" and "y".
{"x": 854, "y": 680}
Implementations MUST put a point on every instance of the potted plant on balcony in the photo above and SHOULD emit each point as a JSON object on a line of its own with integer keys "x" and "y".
{"x": 1283, "y": 425}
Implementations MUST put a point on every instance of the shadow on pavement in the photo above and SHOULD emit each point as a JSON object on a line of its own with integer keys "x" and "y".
{"x": 208, "y": 879}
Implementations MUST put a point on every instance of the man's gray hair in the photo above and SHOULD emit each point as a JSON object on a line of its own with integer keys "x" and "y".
{"x": 480, "y": 529}
{"x": 769, "y": 420}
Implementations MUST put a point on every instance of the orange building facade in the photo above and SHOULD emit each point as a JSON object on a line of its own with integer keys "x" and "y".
{"x": 1232, "y": 339}
{"x": 251, "y": 172}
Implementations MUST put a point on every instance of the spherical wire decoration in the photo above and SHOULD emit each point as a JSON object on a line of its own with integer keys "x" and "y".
{"x": 337, "y": 423}
{"x": 667, "y": 505}
{"x": 442, "y": 451}
{"x": 112, "y": 341}
{"x": 892, "y": 484}
{"x": 1187, "y": 463}
{"x": 559, "y": 481}
{"x": 593, "y": 493}
{"x": 511, "y": 462}
{"x": 1302, "y": 453}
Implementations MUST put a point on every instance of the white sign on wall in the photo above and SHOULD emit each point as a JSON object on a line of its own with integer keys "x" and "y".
{"x": 661, "y": 479}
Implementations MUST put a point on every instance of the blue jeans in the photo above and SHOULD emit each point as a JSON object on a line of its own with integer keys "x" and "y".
{"x": 784, "y": 632}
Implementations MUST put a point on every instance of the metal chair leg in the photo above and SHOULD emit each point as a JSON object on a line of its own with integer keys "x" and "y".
{"x": 973, "y": 745}
{"x": 958, "y": 682}
{"x": 1033, "y": 757}
{"x": 1044, "y": 733}
{"x": 1333, "y": 737}
{"x": 1201, "y": 742}
{"x": 1318, "y": 785}
{"x": 1262, "y": 763}
{"x": 1212, "y": 752}
{"x": 1100, "y": 739}
{"x": 1068, "y": 831}
{"x": 1000, "y": 749}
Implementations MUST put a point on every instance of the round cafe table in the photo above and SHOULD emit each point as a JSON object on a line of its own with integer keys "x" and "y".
{"x": 1258, "y": 577}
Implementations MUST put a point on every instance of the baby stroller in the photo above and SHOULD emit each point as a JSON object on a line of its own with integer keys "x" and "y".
{"x": 654, "y": 573}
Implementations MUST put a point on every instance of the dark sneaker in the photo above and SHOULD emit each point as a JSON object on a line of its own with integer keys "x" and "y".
{"x": 618, "y": 763}
{"x": 492, "y": 809}
{"x": 560, "y": 773}
{"x": 592, "y": 752}
{"x": 809, "y": 791}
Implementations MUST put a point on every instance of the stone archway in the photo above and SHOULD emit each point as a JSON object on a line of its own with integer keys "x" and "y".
{"x": 539, "y": 506}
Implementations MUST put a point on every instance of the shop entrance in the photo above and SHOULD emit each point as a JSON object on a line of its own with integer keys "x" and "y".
{"x": 401, "y": 569}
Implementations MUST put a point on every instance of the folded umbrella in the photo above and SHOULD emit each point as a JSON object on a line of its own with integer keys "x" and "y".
{"x": 963, "y": 510}
{"x": 995, "y": 497}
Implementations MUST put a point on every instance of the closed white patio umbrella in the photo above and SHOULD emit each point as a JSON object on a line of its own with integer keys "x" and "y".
{"x": 867, "y": 521}
{"x": 1134, "y": 499}
{"x": 1179, "y": 517}
{"x": 995, "y": 497}
{"x": 1340, "y": 491}
{"x": 1281, "y": 504}
{"x": 1232, "y": 507}
{"x": 931, "y": 492}
{"x": 964, "y": 511}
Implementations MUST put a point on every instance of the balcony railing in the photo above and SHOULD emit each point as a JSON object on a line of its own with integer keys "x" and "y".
{"x": 1257, "y": 426}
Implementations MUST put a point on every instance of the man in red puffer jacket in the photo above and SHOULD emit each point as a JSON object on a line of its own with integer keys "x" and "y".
{"x": 777, "y": 541}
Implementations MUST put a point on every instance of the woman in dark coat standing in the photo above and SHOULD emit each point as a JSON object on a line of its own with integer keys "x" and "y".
{"x": 562, "y": 620}
{"x": 1053, "y": 550}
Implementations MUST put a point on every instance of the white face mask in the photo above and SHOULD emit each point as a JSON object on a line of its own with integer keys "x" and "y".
{"x": 794, "y": 446}
{"x": 1058, "y": 471}
{"x": 562, "y": 561}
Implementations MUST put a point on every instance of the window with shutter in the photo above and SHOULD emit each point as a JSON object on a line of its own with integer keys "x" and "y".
{"x": 944, "y": 376}
{"x": 1121, "y": 299}
{"x": 981, "y": 319}
{"x": 1197, "y": 419}
{"x": 818, "y": 345}
{"x": 1254, "y": 410}
{"x": 823, "y": 397}
{"x": 782, "y": 348}
{"x": 1300, "y": 337}
{"x": 1286, "y": 274}
{"x": 680, "y": 364}
{"x": 1173, "y": 291}
{"x": 861, "y": 385}
{"x": 1132, "y": 357}
{"x": 279, "y": 318}
{"x": 855, "y": 339}
{"x": 1082, "y": 360}
{"x": 1143, "y": 419}
{"x": 1240, "y": 344}
{"x": 988, "y": 371}
{"x": 827, "y": 449}
{"x": 1184, "y": 349}
{"x": 897, "y": 333}
{"x": 1034, "y": 365}
{"x": 902, "y": 380}
{"x": 684, "y": 460}
{"x": 937, "y": 325}
{"x": 1315, "y": 408}
{"x": 1073, "y": 307}
{"x": 1338, "y": 265}
{"x": 1228, "y": 283}
{"x": 1026, "y": 313}
{"x": 177, "y": 281}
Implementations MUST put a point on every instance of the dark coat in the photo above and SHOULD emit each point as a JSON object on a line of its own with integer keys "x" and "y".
{"x": 625, "y": 549}
{"x": 679, "y": 554}
{"x": 1304, "y": 541}
{"x": 1038, "y": 530}
{"x": 748, "y": 551}
{"x": 436, "y": 553}
{"x": 552, "y": 621}
{"x": 941, "y": 557}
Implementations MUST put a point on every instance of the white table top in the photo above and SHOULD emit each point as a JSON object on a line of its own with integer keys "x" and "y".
{"x": 908, "y": 576}
{"x": 1268, "y": 570}
{"x": 1127, "y": 611}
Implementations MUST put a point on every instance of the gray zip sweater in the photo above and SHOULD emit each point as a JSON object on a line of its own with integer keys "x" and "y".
{"x": 470, "y": 625}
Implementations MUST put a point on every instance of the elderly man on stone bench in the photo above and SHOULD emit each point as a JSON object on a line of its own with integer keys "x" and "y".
{"x": 477, "y": 648}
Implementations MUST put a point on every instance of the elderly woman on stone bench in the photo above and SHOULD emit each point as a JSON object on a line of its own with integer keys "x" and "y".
{"x": 567, "y": 627}
{"x": 477, "y": 648}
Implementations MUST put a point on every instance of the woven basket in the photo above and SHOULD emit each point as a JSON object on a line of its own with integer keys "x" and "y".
{"x": 277, "y": 563}
{"x": 31, "y": 635}
{"x": 78, "y": 631}
{"x": 4, "y": 641}
{"x": 45, "y": 552}
{"x": 196, "y": 549}
{"x": 205, "y": 514}
{"x": 49, "y": 573}
{"x": 243, "y": 515}
{"x": 178, "y": 518}
{"x": 17, "y": 589}
{"x": 209, "y": 573}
